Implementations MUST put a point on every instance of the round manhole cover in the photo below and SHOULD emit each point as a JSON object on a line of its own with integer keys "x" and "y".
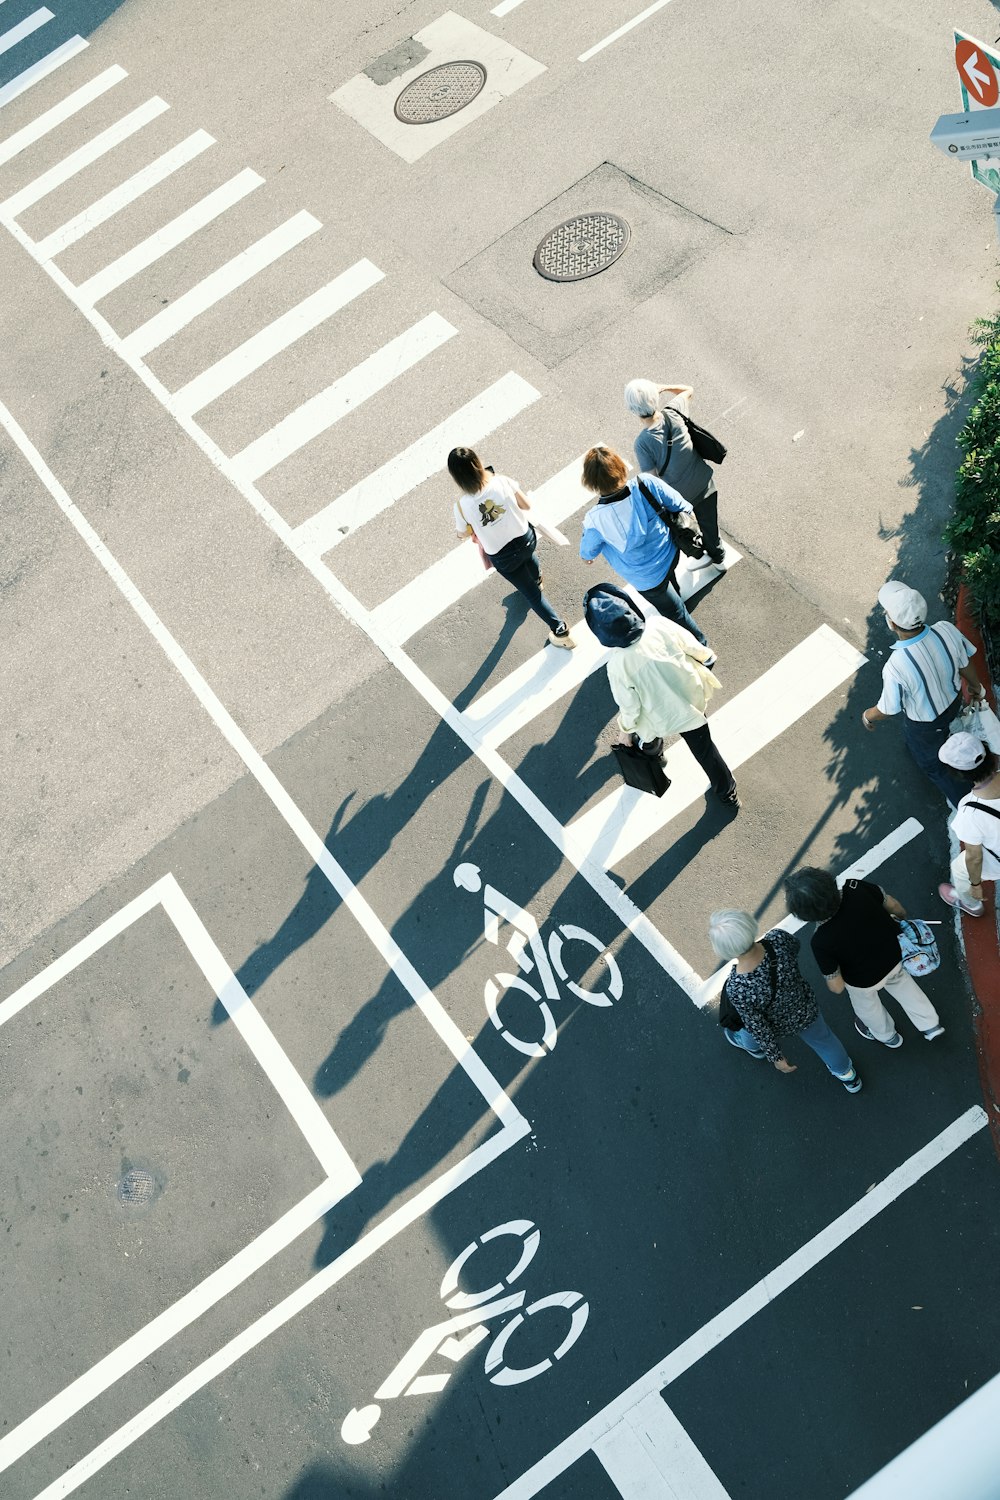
{"x": 441, "y": 92}
{"x": 581, "y": 247}
{"x": 136, "y": 1186}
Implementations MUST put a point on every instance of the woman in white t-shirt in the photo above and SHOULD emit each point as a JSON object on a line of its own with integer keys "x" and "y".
{"x": 492, "y": 509}
{"x": 976, "y": 822}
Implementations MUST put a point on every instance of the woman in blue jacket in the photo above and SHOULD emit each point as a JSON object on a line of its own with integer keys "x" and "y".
{"x": 624, "y": 529}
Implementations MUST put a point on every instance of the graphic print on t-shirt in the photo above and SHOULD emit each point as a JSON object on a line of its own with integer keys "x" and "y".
{"x": 490, "y": 511}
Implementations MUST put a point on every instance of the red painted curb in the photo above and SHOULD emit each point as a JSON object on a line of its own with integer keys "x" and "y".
{"x": 982, "y": 952}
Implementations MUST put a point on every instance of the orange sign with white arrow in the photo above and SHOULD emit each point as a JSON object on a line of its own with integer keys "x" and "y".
{"x": 977, "y": 74}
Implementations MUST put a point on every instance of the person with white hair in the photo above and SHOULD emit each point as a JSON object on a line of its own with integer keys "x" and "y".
{"x": 976, "y": 823}
{"x": 922, "y": 680}
{"x": 664, "y": 448}
{"x": 765, "y": 991}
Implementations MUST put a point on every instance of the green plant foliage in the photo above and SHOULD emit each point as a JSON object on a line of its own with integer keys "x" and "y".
{"x": 974, "y": 531}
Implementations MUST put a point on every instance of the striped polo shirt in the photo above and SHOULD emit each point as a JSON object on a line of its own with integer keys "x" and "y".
{"x": 921, "y": 678}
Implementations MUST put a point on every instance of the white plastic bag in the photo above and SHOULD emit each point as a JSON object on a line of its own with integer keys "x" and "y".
{"x": 979, "y": 719}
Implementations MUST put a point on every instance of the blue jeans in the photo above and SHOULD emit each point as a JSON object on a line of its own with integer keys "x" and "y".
{"x": 664, "y": 597}
{"x": 517, "y": 563}
{"x": 816, "y": 1035}
{"x": 925, "y": 740}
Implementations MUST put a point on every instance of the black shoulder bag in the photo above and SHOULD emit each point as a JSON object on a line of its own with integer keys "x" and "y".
{"x": 680, "y": 523}
{"x": 981, "y": 807}
{"x": 704, "y": 443}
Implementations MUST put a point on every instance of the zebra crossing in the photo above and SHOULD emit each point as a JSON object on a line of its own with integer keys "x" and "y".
{"x": 621, "y": 822}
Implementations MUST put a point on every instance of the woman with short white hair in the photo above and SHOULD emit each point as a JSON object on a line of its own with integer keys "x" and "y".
{"x": 664, "y": 448}
{"x": 766, "y": 998}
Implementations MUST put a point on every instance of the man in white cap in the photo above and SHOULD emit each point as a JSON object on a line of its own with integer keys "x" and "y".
{"x": 977, "y": 822}
{"x": 922, "y": 680}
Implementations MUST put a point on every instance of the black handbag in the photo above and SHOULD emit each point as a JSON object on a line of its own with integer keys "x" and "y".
{"x": 680, "y": 523}
{"x": 704, "y": 443}
{"x": 644, "y": 772}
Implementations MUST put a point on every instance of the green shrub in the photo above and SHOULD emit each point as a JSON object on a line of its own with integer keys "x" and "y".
{"x": 974, "y": 531}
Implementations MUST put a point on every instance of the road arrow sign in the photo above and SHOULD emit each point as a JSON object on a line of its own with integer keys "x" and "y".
{"x": 977, "y": 71}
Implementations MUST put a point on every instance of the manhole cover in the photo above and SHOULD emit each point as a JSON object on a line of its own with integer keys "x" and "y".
{"x": 441, "y": 92}
{"x": 581, "y": 247}
{"x": 136, "y": 1186}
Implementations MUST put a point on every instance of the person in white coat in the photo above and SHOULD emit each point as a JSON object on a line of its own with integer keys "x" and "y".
{"x": 976, "y": 822}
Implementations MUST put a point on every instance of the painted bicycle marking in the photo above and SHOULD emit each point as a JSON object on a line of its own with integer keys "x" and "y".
{"x": 460, "y": 1334}
{"x": 532, "y": 956}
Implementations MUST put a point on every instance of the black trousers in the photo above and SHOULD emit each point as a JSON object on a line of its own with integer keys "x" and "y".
{"x": 702, "y": 746}
{"x": 706, "y": 511}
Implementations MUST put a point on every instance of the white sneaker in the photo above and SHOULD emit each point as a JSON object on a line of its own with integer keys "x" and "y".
{"x": 565, "y": 641}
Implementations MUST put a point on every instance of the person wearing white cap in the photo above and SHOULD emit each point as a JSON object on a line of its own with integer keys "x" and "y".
{"x": 922, "y": 680}
{"x": 976, "y": 823}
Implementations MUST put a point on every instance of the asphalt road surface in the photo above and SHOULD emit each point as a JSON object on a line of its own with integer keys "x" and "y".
{"x": 367, "y": 1126}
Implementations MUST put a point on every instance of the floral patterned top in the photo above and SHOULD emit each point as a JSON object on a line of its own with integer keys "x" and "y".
{"x": 793, "y": 1004}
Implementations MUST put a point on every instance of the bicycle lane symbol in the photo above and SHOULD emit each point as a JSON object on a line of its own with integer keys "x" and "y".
{"x": 545, "y": 962}
{"x": 459, "y": 1335}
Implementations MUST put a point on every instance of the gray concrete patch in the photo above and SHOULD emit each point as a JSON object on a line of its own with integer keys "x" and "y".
{"x": 396, "y": 61}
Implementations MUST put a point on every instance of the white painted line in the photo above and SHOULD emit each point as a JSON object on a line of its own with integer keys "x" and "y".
{"x": 277, "y": 336}
{"x": 290, "y": 1307}
{"x": 501, "y": 401}
{"x": 320, "y": 412}
{"x": 629, "y": 25}
{"x": 67, "y": 107}
{"x": 549, "y": 675}
{"x": 23, "y": 28}
{"x": 150, "y": 250}
{"x": 753, "y": 1301}
{"x": 41, "y": 69}
{"x": 460, "y": 570}
{"x": 90, "y": 152}
{"x": 127, "y": 192}
{"x": 860, "y": 870}
{"x": 626, "y": 818}
{"x": 505, "y": 7}
{"x": 649, "y": 1456}
{"x": 212, "y": 288}
{"x": 383, "y": 941}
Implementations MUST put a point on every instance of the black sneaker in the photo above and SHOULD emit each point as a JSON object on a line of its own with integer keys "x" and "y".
{"x": 893, "y": 1041}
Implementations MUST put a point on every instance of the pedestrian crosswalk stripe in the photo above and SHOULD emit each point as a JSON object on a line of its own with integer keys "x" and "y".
{"x": 501, "y": 401}
{"x": 277, "y": 336}
{"x": 328, "y": 406}
{"x": 625, "y": 818}
{"x": 23, "y": 28}
{"x": 71, "y": 105}
{"x": 125, "y": 193}
{"x": 41, "y": 69}
{"x": 83, "y": 156}
{"x": 175, "y": 233}
{"x": 460, "y": 570}
{"x": 648, "y": 1453}
{"x": 550, "y": 675}
{"x": 212, "y": 288}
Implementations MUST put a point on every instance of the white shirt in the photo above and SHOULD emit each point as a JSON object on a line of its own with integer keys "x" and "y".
{"x": 921, "y": 678}
{"x": 493, "y": 514}
{"x": 975, "y": 827}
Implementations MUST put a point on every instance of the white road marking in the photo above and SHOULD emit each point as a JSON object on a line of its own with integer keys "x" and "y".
{"x": 83, "y": 156}
{"x": 125, "y": 193}
{"x": 275, "y": 338}
{"x": 501, "y": 401}
{"x": 753, "y": 1301}
{"x": 505, "y": 7}
{"x": 629, "y": 25}
{"x": 341, "y": 1175}
{"x": 41, "y": 69}
{"x": 23, "y": 28}
{"x": 320, "y": 412}
{"x": 860, "y": 870}
{"x": 219, "y": 283}
{"x": 461, "y": 569}
{"x": 549, "y": 675}
{"x": 150, "y": 250}
{"x": 626, "y": 818}
{"x": 448, "y": 39}
{"x": 649, "y": 1456}
{"x": 66, "y": 108}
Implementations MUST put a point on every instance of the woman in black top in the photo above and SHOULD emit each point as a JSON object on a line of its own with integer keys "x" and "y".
{"x": 769, "y": 995}
{"x": 857, "y": 948}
